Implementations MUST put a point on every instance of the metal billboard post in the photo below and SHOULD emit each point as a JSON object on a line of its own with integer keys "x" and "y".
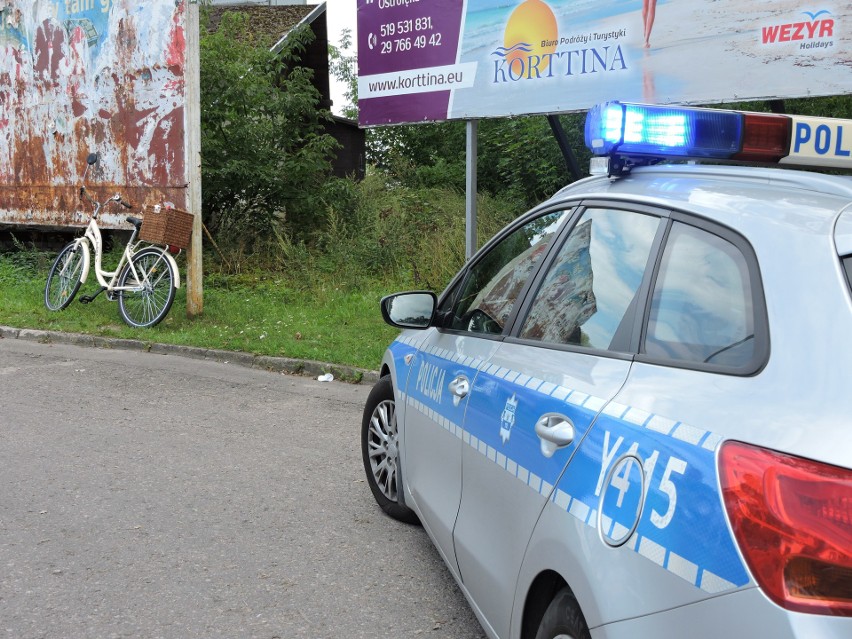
{"x": 470, "y": 188}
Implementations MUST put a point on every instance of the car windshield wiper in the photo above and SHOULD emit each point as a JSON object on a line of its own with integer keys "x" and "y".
{"x": 728, "y": 347}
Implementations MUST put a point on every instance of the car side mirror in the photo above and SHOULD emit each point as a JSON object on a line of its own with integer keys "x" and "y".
{"x": 415, "y": 309}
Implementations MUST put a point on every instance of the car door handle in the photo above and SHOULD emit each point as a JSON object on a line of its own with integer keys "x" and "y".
{"x": 555, "y": 431}
{"x": 459, "y": 387}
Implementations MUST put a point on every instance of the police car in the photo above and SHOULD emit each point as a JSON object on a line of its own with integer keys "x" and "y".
{"x": 630, "y": 414}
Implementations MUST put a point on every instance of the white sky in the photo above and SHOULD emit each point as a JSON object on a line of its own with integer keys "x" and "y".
{"x": 340, "y": 14}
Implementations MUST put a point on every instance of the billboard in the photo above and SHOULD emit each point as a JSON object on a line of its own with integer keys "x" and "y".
{"x": 78, "y": 76}
{"x": 421, "y": 60}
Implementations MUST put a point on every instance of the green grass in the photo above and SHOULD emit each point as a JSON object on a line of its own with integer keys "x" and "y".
{"x": 262, "y": 314}
{"x": 312, "y": 296}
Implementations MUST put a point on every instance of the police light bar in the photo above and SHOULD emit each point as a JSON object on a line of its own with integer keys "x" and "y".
{"x": 620, "y": 130}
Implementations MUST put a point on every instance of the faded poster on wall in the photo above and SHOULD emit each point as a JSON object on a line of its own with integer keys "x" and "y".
{"x": 82, "y": 76}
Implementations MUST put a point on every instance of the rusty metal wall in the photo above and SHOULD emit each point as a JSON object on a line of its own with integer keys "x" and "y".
{"x": 78, "y": 76}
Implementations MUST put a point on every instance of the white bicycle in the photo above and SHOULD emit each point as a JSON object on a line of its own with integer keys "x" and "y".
{"x": 143, "y": 282}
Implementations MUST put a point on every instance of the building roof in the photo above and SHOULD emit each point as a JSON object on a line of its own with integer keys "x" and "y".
{"x": 269, "y": 23}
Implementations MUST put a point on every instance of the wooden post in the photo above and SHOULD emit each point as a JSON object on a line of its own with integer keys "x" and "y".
{"x": 192, "y": 119}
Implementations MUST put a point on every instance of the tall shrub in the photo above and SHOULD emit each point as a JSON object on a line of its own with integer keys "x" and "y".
{"x": 265, "y": 158}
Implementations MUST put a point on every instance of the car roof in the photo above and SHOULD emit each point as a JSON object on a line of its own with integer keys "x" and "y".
{"x": 793, "y": 219}
{"x": 742, "y": 197}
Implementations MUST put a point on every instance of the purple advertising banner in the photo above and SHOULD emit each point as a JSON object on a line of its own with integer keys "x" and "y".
{"x": 467, "y": 59}
{"x": 401, "y": 36}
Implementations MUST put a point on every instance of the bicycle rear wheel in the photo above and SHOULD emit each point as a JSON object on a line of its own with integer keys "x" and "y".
{"x": 65, "y": 277}
{"x": 148, "y": 305}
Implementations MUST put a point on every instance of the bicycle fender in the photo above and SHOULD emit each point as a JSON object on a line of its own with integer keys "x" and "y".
{"x": 82, "y": 241}
{"x": 174, "y": 265}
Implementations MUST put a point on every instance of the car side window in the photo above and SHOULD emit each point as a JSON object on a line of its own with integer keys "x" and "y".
{"x": 702, "y": 309}
{"x": 593, "y": 282}
{"x": 488, "y": 292}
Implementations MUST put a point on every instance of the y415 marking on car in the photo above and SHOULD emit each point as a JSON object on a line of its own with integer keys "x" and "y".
{"x": 621, "y": 481}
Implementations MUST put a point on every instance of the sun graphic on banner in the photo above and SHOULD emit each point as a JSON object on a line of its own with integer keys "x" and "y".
{"x": 531, "y": 30}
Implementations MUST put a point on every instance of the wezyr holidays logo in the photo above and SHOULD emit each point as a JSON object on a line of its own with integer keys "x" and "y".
{"x": 507, "y": 419}
{"x": 816, "y": 32}
{"x": 531, "y": 48}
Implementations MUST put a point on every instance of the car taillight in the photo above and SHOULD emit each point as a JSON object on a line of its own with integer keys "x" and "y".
{"x": 792, "y": 519}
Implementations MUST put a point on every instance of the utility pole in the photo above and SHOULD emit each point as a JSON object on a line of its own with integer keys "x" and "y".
{"x": 192, "y": 119}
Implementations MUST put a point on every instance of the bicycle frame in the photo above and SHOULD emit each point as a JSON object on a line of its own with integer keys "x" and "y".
{"x": 93, "y": 237}
{"x": 144, "y": 281}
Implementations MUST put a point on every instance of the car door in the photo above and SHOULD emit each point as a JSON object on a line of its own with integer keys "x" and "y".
{"x": 641, "y": 495}
{"x": 704, "y": 338}
{"x": 541, "y": 391}
{"x": 472, "y": 316}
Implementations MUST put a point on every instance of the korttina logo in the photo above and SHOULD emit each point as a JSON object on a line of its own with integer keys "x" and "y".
{"x": 530, "y": 31}
{"x": 530, "y": 42}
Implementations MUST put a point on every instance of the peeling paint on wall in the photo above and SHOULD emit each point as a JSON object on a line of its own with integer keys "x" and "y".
{"x": 78, "y": 76}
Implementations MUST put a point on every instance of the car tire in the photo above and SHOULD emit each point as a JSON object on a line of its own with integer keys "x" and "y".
{"x": 563, "y": 619}
{"x": 380, "y": 452}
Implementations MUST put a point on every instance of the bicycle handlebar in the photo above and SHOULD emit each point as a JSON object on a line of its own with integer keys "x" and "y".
{"x": 99, "y": 205}
{"x": 93, "y": 159}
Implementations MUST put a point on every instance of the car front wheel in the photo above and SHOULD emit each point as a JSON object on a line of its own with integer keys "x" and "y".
{"x": 380, "y": 450}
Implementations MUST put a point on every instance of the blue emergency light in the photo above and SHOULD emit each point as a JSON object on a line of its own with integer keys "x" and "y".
{"x": 617, "y": 129}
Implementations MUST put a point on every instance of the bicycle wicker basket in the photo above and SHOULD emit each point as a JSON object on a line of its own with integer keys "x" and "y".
{"x": 166, "y": 226}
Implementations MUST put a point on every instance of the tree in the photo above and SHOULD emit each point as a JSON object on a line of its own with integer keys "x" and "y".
{"x": 343, "y": 65}
{"x": 518, "y": 157}
{"x": 265, "y": 158}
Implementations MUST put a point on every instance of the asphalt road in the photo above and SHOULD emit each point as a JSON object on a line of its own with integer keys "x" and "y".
{"x": 156, "y": 496}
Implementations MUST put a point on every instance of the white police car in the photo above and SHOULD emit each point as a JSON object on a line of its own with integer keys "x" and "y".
{"x": 630, "y": 414}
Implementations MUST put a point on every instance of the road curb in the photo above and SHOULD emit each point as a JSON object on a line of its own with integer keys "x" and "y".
{"x": 286, "y": 365}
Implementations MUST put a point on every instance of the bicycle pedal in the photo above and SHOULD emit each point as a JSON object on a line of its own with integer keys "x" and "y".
{"x": 86, "y": 299}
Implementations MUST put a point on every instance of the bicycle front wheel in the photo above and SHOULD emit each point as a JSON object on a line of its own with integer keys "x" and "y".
{"x": 151, "y": 279}
{"x": 65, "y": 277}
